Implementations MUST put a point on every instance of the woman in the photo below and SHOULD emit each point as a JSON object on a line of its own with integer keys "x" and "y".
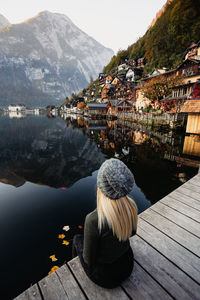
{"x": 105, "y": 251}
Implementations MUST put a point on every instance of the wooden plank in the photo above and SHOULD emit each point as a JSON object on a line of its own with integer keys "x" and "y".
{"x": 69, "y": 284}
{"x": 192, "y": 187}
{"x": 92, "y": 290}
{"x": 178, "y": 234}
{"x": 180, "y": 256}
{"x": 195, "y": 180}
{"x": 140, "y": 285}
{"x": 178, "y": 218}
{"x": 175, "y": 281}
{"x": 32, "y": 293}
{"x": 182, "y": 208}
{"x": 185, "y": 199}
{"x": 183, "y": 190}
{"x": 52, "y": 288}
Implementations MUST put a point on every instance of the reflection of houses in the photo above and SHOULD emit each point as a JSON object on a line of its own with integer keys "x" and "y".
{"x": 16, "y": 114}
{"x": 192, "y": 145}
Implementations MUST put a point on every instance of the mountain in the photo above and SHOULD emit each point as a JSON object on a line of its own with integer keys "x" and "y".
{"x": 174, "y": 29}
{"x": 159, "y": 14}
{"x": 47, "y": 58}
{"x": 3, "y": 22}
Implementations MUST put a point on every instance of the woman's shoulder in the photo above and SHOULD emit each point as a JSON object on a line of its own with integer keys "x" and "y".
{"x": 92, "y": 217}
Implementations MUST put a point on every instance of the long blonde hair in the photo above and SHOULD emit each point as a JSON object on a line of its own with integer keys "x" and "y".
{"x": 121, "y": 215}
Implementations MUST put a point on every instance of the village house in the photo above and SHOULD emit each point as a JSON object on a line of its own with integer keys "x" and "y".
{"x": 193, "y": 51}
{"x": 132, "y": 74}
{"x": 95, "y": 109}
{"x": 104, "y": 78}
{"x": 116, "y": 106}
{"x": 122, "y": 67}
{"x": 16, "y": 107}
{"x": 141, "y": 62}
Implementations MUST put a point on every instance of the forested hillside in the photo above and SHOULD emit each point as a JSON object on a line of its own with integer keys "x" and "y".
{"x": 164, "y": 43}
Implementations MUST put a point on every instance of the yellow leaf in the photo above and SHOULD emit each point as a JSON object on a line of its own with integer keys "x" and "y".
{"x": 53, "y": 257}
{"x": 66, "y": 228}
{"x": 53, "y": 269}
{"x": 61, "y": 236}
{"x": 65, "y": 243}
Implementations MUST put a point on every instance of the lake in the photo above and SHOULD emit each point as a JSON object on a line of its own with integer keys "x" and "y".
{"x": 48, "y": 170}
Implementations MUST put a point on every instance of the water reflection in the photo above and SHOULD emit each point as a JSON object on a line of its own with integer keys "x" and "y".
{"x": 41, "y": 155}
{"x": 45, "y": 152}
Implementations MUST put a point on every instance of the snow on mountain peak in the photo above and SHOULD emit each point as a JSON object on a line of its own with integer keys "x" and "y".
{"x": 3, "y": 22}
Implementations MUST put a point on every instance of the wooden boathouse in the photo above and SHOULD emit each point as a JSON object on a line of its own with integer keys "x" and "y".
{"x": 166, "y": 253}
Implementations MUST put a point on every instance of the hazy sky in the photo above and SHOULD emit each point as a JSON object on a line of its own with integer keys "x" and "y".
{"x": 114, "y": 23}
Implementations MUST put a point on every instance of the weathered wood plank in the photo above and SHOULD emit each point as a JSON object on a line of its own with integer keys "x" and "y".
{"x": 195, "y": 180}
{"x": 175, "y": 281}
{"x": 186, "y": 200}
{"x": 32, "y": 293}
{"x": 178, "y": 218}
{"x": 92, "y": 290}
{"x": 182, "y": 208}
{"x": 52, "y": 288}
{"x": 178, "y": 234}
{"x": 183, "y": 190}
{"x": 180, "y": 256}
{"x": 192, "y": 187}
{"x": 140, "y": 285}
{"x": 69, "y": 284}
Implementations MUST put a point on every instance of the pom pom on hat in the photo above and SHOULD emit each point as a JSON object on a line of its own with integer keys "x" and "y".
{"x": 114, "y": 179}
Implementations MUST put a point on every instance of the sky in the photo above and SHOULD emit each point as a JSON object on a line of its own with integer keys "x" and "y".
{"x": 114, "y": 23}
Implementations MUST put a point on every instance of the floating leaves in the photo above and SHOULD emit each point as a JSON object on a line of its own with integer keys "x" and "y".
{"x": 53, "y": 269}
{"x": 65, "y": 242}
{"x": 61, "y": 236}
{"x": 66, "y": 228}
{"x": 53, "y": 257}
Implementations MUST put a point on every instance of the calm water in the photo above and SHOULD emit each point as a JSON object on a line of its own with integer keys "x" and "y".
{"x": 48, "y": 169}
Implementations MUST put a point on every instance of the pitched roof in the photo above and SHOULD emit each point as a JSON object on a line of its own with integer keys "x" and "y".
{"x": 97, "y": 105}
{"x": 191, "y": 106}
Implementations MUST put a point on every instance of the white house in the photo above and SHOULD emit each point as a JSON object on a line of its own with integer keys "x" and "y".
{"x": 17, "y": 108}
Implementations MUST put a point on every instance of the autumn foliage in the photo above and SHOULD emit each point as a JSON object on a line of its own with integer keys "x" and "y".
{"x": 160, "y": 87}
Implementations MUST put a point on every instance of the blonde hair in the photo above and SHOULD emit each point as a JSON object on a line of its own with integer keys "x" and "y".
{"x": 121, "y": 215}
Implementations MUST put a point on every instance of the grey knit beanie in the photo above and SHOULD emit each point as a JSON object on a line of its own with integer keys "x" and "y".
{"x": 114, "y": 179}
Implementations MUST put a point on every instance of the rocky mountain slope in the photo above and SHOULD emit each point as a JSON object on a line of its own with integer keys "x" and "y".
{"x": 45, "y": 59}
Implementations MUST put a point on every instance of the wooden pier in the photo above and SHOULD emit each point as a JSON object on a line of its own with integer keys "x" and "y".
{"x": 166, "y": 252}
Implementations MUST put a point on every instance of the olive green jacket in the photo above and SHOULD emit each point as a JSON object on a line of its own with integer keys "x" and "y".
{"x": 101, "y": 247}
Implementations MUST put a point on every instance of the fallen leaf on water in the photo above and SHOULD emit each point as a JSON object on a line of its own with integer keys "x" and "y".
{"x": 66, "y": 228}
{"x": 80, "y": 226}
{"x": 53, "y": 257}
{"x": 65, "y": 243}
{"x": 61, "y": 236}
{"x": 53, "y": 269}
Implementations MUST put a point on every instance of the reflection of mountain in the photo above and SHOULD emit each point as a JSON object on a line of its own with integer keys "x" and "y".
{"x": 44, "y": 151}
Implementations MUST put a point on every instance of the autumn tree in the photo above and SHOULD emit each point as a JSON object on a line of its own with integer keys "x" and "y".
{"x": 161, "y": 86}
{"x": 81, "y": 105}
{"x": 66, "y": 100}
